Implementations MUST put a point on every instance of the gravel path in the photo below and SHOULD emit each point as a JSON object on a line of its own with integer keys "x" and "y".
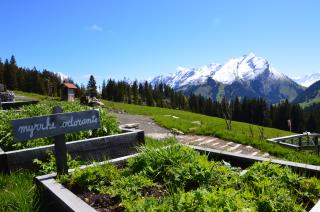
{"x": 146, "y": 124}
{"x": 153, "y": 130}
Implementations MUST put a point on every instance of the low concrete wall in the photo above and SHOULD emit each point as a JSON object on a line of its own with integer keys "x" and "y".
{"x": 61, "y": 198}
{"x": 100, "y": 148}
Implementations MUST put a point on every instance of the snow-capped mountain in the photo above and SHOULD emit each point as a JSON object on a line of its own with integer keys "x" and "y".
{"x": 307, "y": 80}
{"x": 249, "y": 76}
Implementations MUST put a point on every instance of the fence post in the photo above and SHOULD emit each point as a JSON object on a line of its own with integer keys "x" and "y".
{"x": 316, "y": 144}
{"x": 300, "y": 141}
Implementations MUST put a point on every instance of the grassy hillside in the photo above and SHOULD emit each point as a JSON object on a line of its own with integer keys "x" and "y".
{"x": 24, "y": 96}
{"x": 310, "y": 102}
{"x": 243, "y": 133}
{"x": 182, "y": 120}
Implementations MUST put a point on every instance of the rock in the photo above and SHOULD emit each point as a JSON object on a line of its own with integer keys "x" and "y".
{"x": 176, "y": 131}
{"x": 174, "y": 117}
{"x": 130, "y": 126}
{"x": 7, "y": 96}
{"x": 196, "y": 122}
{"x": 87, "y": 100}
{"x": 192, "y": 129}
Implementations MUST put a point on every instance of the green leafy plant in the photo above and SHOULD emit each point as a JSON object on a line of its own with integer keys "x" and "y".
{"x": 49, "y": 166}
{"x": 109, "y": 124}
{"x": 90, "y": 179}
{"x": 184, "y": 180}
{"x": 128, "y": 187}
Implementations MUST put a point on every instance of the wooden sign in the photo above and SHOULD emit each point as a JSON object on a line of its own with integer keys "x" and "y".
{"x": 53, "y": 125}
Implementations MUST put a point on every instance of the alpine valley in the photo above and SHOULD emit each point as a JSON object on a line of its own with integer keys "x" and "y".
{"x": 247, "y": 76}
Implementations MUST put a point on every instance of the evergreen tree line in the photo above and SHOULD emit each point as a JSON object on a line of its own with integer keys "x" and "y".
{"x": 255, "y": 111}
{"x": 28, "y": 80}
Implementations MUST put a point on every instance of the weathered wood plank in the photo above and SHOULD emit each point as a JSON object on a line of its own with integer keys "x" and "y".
{"x": 53, "y": 125}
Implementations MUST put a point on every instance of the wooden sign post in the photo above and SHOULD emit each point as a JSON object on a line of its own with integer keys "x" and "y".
{"x": 60, "y": 148}
{"x": 56, "y": 125}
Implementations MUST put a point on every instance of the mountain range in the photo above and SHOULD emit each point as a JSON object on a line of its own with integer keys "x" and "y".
{"x": 310, "y": 95}
{"x": 247, "y": 76}
{"x": 308, "y": 79}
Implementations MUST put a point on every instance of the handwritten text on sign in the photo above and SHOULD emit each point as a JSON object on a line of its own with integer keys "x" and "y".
{"x": 52, "y": 125}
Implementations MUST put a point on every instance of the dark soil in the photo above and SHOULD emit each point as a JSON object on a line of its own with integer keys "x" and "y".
{"x": 154, "y": 192}
{"x": 102, "y": 202}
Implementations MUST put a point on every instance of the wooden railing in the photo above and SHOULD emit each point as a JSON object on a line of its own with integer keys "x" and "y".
{"x": 304, "y": 141}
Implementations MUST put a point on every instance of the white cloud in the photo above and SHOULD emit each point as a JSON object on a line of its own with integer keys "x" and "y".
{"x": 94, "y": 27}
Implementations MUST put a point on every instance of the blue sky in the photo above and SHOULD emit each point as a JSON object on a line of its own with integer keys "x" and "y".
{"x": 144, "y": 38}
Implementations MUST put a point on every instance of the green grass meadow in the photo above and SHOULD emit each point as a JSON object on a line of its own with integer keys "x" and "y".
{"x": 243, "y": 133}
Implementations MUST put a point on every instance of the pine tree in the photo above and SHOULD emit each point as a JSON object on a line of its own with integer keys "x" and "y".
{"x": 311, "y": 124}
{"x": 236, "y": 109}
{"x": 103, "y": 90}
{"x": 1, "y": 72}
{"x": 297, "y": 121}
{"x": 10, "y": 74}
{"x": 149, "y": 97}
{"x": 92, "y": 87}
{"x": 135, "y": 92}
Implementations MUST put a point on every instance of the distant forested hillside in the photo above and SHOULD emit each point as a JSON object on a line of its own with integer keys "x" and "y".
{"x": 28, "y": 80}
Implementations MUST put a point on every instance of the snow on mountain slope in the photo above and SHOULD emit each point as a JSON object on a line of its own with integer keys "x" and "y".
{"x": 307, "y": 80}
{"x": 244, "y": 68}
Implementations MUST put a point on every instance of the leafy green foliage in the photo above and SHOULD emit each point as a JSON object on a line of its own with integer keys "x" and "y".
{"x": 273, "y": 185}
{"x": 128, "y": 187}
{"x": 18, "y": 193}
{"x": 108, "y": 124}
{"x": 49, "y": 166}
{"x": 176, "y": 166}
{"x": 91, "y": 179}
{"x": 193, "y": 183}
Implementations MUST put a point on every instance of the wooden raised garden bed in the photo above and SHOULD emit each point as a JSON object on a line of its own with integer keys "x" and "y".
{"x": 99, "y": 148}
{"x": 58, "y": 197}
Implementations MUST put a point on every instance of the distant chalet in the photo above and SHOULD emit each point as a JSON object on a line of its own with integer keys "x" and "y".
{"x": 68, "y": 92}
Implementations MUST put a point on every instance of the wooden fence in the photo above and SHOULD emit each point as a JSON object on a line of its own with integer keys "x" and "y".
{"x": 304, "y": 141}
